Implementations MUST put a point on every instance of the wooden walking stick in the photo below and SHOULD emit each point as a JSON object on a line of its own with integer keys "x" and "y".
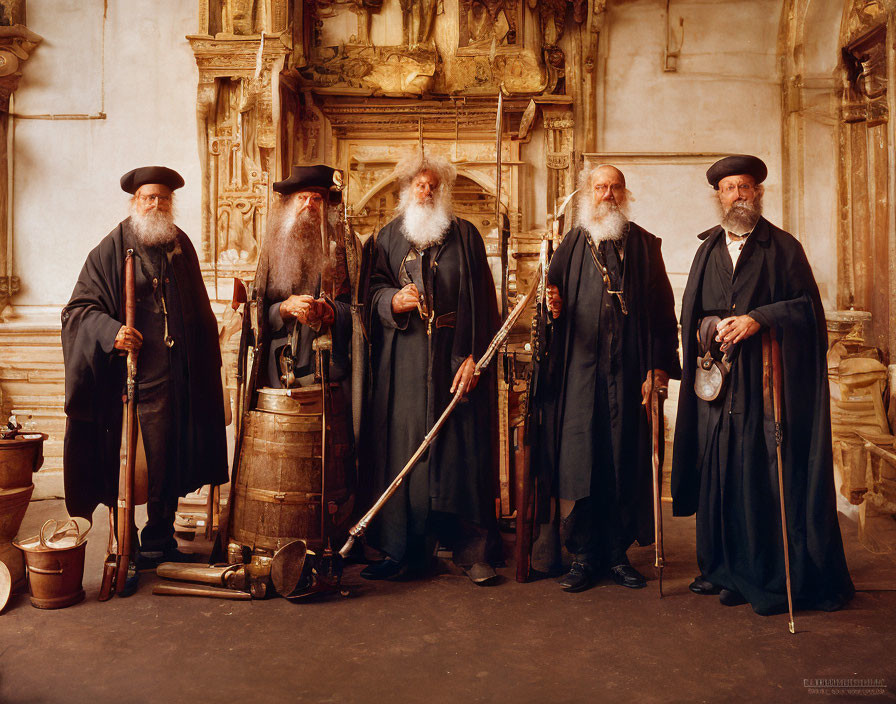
{"x": 126, "y": 481}
{"x": 657, "y": 433}
{"x": 771, "y": 353}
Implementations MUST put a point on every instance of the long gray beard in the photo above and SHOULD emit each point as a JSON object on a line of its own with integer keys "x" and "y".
{"x": 155, "y": 229}
{"x": 295, "y": 257}
{"x": 606, "y": 221}
{"x": 741, "y": 217}
{"x": 424, "y": 225}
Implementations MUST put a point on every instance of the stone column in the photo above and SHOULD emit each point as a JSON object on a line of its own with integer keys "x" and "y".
{"x": 16, "y": 44}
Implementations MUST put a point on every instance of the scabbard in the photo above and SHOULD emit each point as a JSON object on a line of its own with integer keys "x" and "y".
{"x": 167, "y": 589}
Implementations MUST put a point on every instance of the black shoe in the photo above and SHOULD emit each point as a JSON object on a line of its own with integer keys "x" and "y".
{"x": 482, "y": 574}
{"x": 627, "y": 576}
{"x": 729, "y": 597}
{"x": 384, "y": 569}
{"x": 701, "y": 585}
{"x": 578, "y": 579}
{"x": 149, "y": 560}
{"x": 132, "y": 580}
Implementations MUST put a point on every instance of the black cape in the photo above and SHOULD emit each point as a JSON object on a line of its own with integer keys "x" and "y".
{"x": 409, "y": 386}
{"x": 724, "y": 461}
{"x": 95, "y": 377}
{"x": 572, "y": 422}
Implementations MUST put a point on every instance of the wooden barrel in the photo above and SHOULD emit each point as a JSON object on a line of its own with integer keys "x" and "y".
{"x": 278, "y": 490}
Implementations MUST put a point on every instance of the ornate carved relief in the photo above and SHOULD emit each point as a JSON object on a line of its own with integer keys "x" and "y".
{"x": 238, "y": 142}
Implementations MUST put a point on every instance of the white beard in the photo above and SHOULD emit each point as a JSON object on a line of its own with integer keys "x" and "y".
{"x": 741, "y": 217}
{"x": 606, "y": 221}
{"x": 155, "y": 229}
{"x": 424, "y": 225}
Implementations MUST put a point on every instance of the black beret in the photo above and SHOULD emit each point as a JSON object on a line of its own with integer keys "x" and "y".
{"x": 736, "y": 165}
{"x": 308, "y": 178}
{"x": 132, "y": 180}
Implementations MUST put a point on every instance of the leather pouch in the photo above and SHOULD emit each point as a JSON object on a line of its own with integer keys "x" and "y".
{"x": 711, "y": 378}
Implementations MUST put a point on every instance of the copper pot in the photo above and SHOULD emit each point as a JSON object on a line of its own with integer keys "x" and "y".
{"x": 13, "y": 505}
{"x": 19, "y": 458}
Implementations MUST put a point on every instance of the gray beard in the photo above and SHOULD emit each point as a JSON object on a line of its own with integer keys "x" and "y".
{"x": 155, "y": 229}
{"x": 295, "y": 259}
{"x": 424, "y": 225}
{"x": 606, "y": 221}
{"x": 741, "y": 217}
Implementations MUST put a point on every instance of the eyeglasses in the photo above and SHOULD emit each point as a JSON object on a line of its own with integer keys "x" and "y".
{"x": 741, "y": 188}
{"x": 154, "y": 196}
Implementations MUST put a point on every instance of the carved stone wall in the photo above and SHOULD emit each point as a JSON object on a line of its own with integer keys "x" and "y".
{"x": 867, "y": 245}
{"x": 240, "y": 52}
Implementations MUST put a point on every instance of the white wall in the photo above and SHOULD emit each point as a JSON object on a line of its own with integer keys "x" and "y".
{"x": 67, "y": 196}
{"x": 724, "y": 98}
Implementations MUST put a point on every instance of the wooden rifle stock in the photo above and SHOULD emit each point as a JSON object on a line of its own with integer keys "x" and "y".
{"x": 126, "y": 482}
{"x": 657, "y": 433}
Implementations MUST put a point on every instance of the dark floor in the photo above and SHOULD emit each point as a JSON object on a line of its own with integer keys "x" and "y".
{"x": 446, "y": 640}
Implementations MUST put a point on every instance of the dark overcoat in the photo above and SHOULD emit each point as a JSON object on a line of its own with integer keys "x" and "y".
{"x": 724, "y": 464}
{"x": 647, "y": 338}
{"x": 460, "y": 463}
{"x": 95, "y": 377}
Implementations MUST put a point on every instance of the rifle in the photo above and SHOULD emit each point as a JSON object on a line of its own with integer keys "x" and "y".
{"x": 525, "y": 509}
{"x": 657, "y": 433}
{"x": 360, "y": 527}
{"x": 213, "y": 507}
{"x": 126, "y": 483}
{"x": 773, "y": 386}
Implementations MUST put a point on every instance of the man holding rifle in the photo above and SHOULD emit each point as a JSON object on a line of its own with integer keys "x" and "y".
{"x": 178, "y": 384}
{"x": 614, "y": 337}
{"x": 433, "y": 312}
{"x": 750, "y": 292}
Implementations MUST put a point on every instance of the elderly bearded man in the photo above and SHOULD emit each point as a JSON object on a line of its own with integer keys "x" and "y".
{"x": 179, "y": 400}
{"x": 614, "y": 335}
{"x": 298, "y": 282}
{"x": 750, "y": 277}
{"x": 433, "y": 311}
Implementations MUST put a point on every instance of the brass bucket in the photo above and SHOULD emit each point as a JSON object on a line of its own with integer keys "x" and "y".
{"x": 19, "y": 458}
{"x": 55, "y": 560}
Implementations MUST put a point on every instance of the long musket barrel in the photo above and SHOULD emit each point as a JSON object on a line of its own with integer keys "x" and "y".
{"x": 126, "y": 483}
{"x": 361, "y": 526}
{"x": 657, "y": 397}
{"x": 775, "y": 348}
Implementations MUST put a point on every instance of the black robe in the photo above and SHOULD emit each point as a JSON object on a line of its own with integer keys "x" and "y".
{"x": 411, "y": 376}
{"x": 724, "y": 464}
{"x": 95, "y": 376}
{"x": 593, "y": 427}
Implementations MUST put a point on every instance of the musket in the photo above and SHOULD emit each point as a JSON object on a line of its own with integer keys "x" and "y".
{"x": 522, "y": 464}
{"x": 168, "y": 589}
{"x": 525, "y": 508}
{"x": 361, "y": 526}
{"x": 771, "y": 357}
{"x": 245, "y": 387}
{"x": 126, "y": 482}
{"x": 353, "y": 264}
{"x": 213, "y": 506}
{"x": 657, "y": 432}
{"x": 499, "y": 221}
